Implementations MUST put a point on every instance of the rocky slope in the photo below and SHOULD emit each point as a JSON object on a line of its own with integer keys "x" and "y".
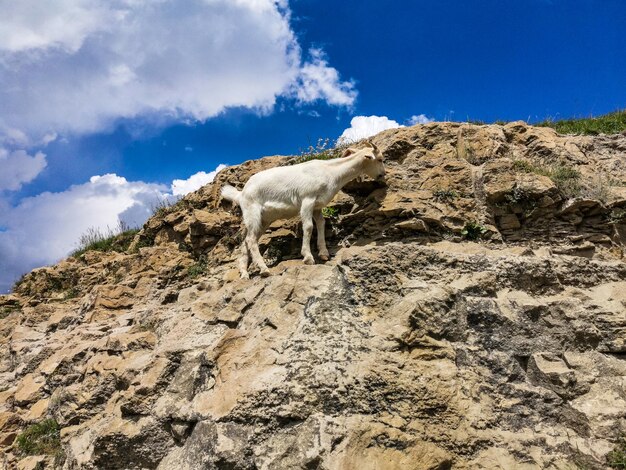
{"x": 473, "y": 316}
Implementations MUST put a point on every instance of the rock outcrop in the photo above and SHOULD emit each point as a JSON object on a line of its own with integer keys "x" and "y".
{"x": 473, "y": 315}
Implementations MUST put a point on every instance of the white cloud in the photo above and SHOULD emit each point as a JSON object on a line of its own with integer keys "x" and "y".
{"x": 362, "y": 127}
{"x": 419, "y": 119}
{"x": 42, "y": 229}
{"x": 367, "y": 126}
{"x": 61, "y": 24}
{"x": 79, "y": 65}
{"x": 17, "y": 168}
{"x": 47, "y": 138}
{"x": 318, "y": 81}
{"x": 182, "y": 187}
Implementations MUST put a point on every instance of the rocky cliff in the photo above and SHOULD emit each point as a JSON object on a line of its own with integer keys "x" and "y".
{"x": 473, "y": 315}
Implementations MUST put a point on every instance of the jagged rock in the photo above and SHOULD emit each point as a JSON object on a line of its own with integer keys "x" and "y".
{"x": 115, "y": 297}
{"x": 29, "y": 389}
{"x": 551, "y": 372}
{"x": 413, "y": 224}
{"x": 33, "y": 462}
{"x": 413, "y": 347}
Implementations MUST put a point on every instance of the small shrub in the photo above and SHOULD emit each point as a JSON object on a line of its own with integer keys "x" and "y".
{"x": 330, "y": 212}
{"x": 7, "y": 310}
{"x": 473, "y": 230}
{"x": 617, "y": 457}
{"x": 41, "y": 438}
{"x": 199, "y": 268}
{"x": 444, "y": 195}
{"x": 611, "y": 123}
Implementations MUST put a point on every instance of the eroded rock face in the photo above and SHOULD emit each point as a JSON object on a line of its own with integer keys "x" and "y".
{"x": 413, "y": 348}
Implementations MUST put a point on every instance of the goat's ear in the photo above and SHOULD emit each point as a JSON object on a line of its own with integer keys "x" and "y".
{"x": 348, "y": 151}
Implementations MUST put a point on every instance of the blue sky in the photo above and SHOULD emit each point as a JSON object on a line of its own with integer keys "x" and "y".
{"x": 99, "y": 116}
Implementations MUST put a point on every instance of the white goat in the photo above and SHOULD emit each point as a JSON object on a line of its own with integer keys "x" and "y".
{"x": 305, "y": 189}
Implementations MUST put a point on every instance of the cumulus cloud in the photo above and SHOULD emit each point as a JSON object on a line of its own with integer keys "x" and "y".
{"x": 42, "y": 229}
{"x": 79, "y": 65}
{"x": 317, "y": 81}
{"x": 17, "y": 168}
{"x": 419, "y": 119}
{"x": 63, "y": 24}
{"x": 362, "y": 127}
{"x": 182, "y": 187}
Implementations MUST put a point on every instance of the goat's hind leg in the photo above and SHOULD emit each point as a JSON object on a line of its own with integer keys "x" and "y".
{"x": 252, "y": 241}
{"x": 254, "y": 224}
{"x": 244, "y": 259}
{"x": 306, "y": 213}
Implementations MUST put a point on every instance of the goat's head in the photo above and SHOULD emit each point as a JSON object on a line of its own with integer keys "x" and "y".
{"x": 373, "y": 165}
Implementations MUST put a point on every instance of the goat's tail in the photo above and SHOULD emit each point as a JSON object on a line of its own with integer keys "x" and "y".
{"x": 231, "y": 194}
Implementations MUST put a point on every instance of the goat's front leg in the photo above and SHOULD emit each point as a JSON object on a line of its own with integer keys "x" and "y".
{"x": 306, "y": 213}
{"x": 320, "y": 223}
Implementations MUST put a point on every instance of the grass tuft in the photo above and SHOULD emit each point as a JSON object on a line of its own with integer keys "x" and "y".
{"x": 617, "y": 457}
{"x": 118, "y": 239}
{"x": 611, "y": 123}
{"x": 162, "y": 207}
{"x": 445, "y": 195}
{"x": 322, "y": 151}
{"x": 40, "y": 438}
{"x": 565, "y": 177}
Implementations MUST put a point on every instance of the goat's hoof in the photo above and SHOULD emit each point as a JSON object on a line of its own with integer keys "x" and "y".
{"x": 264, "y": 272}
{"x": 324, "y": 257}
{"x": 245, "y": 276}
{"x": 309, "y": 260}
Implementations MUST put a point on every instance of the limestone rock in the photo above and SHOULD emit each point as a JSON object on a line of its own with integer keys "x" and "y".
{"x": 423, "y": 343}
